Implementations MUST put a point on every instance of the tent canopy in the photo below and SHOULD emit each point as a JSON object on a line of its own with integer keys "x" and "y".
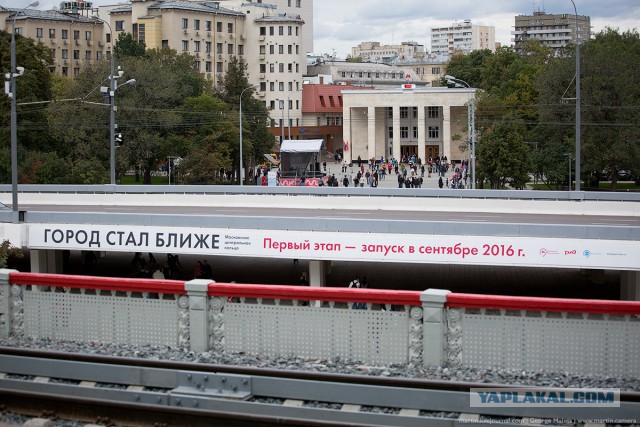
{"x": 301, "y": 145}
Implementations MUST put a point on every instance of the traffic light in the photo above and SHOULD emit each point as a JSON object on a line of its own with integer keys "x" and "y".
{"x": 118, "y": 138}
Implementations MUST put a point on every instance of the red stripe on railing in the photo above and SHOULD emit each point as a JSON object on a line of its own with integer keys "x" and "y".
{"x": 102, "y": 283}
{"x": 375, "y": 296}
{"x": 542, "y": 304}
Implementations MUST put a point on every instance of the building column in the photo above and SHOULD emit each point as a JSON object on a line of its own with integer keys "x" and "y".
{"x": 422, "y": 141}
{"x": 446, "y": 131}
{"x": 371, "y": 132}
{"x": 630, "y": 286}
{"x": 318, "y": 270}
{"x": 46, "y": 261}
{"x": 346, "y": 135}
{"x": 397, "y": 152}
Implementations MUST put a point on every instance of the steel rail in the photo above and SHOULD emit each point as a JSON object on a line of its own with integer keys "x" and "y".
{"x": 175, "y": 389}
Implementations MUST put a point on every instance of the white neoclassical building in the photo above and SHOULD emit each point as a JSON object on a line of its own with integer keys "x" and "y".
{"x": 405, "y": 121}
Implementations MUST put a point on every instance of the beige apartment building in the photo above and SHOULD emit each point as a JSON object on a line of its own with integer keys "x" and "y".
{"x": 72, "y": 37}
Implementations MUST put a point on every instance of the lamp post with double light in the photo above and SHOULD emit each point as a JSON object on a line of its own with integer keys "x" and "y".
{"x": 471, "y": 112}
{"x": 241, "y": 160}
{"x": 13, "y": 73}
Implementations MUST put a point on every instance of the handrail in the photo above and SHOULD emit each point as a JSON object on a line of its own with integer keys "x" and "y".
{"x": 455, "y": 300}
{"x": 331, "y": 191}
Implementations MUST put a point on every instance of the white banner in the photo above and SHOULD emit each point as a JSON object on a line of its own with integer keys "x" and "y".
{"x": 438, "y": 249}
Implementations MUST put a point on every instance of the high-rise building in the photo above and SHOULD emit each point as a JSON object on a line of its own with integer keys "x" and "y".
{"x": 555, "y": 31}
{"x": 462, "y": 36}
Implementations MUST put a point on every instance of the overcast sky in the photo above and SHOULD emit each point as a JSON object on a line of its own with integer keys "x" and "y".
{"x": 342, "y": 24}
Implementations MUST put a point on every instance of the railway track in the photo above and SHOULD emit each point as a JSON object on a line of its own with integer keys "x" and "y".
{"x": 140, "y": 392}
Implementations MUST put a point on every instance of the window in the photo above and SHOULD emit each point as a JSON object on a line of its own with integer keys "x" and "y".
{"x": 185, "y": 45}
{"x": 434, "y": 112}
{"x": 272, "y": 49}
{"x": 207, "y": 25}
{"x": 404, "y": 112}
{"x": 289, "y": 49}
{"x": 434, "y": 132}
{"x": 263, "y": 87}
{"x": 119, "y": 25}
{"x": 263, "y": 68}
{"x": 290, "y": 84}
{"x": 230, "y": 27}
{"x": 52, "y": 33}
{"x": 281, "y": 86}
{"x": 207, "y": 47}
{"x": 219, "y": 67}
{"x": 390, "y": 131}
{"x": 281, "y": 67}
{"x": 390, "y": 112}
{"x": 196, "y": 24}
{"x": 281, "y": 49}
{"x": 219, "y": 27}
{"x": 290, "y": 30}
{"x": 99, "y": 56}
{"x": 281, "y": 30}
{"x": 109, "y": 38}
{"x": 263, "y": 31}
{"x": 240, "y": 49}
{"x": 272, "y": 68}
{"x": 218, "y": 47}
{"x": 87, "y": 55}
{"x": 272, "y": 86}
{"x": 39, "y": 33}
{"x": 404, "y": 132}
{"x": 65, "y": 53}
{"x": 263, "y": 49}
{"x": 87, "y": 35}
{"x": 76, "y": 54}
{"x": 196, "y": 46}
{"x": 298, "y": 3}
{"x": 185, "y": 23}
{"x": 76, "y": 35}
{"x": 64, "y": 34}
{"x": 271, "y": 31}
{"x": 415, "y": 132}
{"x": 414, "y": 112}
{"x": 207, "y": 66}
{"x": 435, "y": 70}
{"x": 290, "y": 68}
{"x": 230, "y": 49}
{"x": 141, "y": 32}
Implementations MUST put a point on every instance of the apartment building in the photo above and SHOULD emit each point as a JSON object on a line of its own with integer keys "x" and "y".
{"x": 375, "y": 52}
{"x": 462, "y": 36}
{"x": 72, "y": 37}
{"x": 556, "y": 31}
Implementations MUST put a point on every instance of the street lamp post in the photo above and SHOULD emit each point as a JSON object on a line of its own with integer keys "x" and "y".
{"x": 471, "y": 111}
{"x": 13, "y": 73}
{"x": 577, "y": 101}
{"x": 241, "y": 160}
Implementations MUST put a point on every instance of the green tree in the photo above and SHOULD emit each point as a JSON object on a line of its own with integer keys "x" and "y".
{"x": 610, "y": 115}
{"x": 34, "y": 85}
{"x": 505, "y": 156}
{"x": 126, "y": 45}
{"x": 255, "y": 137}
{"x": 9, "y": 253}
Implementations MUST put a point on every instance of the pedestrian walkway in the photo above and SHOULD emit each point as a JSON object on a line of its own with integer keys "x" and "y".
{"x": 385, "y": 181}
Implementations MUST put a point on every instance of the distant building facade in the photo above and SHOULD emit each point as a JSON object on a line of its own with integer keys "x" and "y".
{"x": 375, "y": 52}
{"x": 555, "y": 31}
{"x": 462, "y": 36}
{"x": 364, "y": 73}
